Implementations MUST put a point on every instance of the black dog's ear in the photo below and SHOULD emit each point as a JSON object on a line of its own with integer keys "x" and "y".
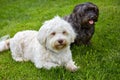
{"x": 78, "y": 10}
{"x": 76, "y": 14}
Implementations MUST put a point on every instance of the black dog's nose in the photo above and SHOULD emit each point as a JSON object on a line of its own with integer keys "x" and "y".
{"x": 92, "y": 17}
{"x": 60, "y": 41}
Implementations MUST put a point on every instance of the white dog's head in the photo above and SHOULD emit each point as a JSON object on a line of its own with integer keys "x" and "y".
{"x": 56, "y": 34}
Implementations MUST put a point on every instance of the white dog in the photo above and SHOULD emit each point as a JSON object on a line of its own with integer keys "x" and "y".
{"x": 46, "y": 48}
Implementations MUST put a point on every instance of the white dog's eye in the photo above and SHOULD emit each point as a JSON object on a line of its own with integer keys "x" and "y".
{"x": 64, "y": 32}
{"x": 53, "y": 33}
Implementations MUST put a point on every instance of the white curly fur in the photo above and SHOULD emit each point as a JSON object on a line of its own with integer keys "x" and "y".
{"x": 49, "y": 47}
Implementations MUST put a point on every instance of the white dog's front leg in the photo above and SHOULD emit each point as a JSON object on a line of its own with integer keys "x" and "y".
{"x": 71, "y": 66}
{"x": 49, "y": 65}
{"x": 46, "y": 65}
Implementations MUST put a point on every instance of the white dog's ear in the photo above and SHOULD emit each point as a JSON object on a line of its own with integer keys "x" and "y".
{"x": 71, "y": 32}
{"x": 42, "y": 35}
{"x": 73, "y": 35}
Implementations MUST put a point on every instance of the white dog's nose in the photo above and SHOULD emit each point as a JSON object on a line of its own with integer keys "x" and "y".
{"x": 60, "y": 41}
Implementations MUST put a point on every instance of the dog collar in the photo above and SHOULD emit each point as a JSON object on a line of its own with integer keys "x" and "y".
{"x": 49, "y": 50}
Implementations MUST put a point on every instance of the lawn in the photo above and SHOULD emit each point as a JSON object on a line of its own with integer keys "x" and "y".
{"x": 99, "y": 61}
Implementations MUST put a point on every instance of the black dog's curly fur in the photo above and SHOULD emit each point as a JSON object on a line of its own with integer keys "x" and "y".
{"x": 83, "y": 19}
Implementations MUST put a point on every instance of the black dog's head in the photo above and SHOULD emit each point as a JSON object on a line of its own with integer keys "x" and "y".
{"x": 87, "y": 13}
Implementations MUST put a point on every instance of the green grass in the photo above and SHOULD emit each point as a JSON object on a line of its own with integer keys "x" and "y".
{"x": 99, "y": 61}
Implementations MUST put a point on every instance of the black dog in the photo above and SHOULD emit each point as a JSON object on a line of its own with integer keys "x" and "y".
{"x": 83, "y": 19}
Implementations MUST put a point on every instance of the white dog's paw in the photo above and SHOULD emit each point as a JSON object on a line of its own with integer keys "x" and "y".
{"x": 38, "y": 66}
{"x": 71, "y": 67}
